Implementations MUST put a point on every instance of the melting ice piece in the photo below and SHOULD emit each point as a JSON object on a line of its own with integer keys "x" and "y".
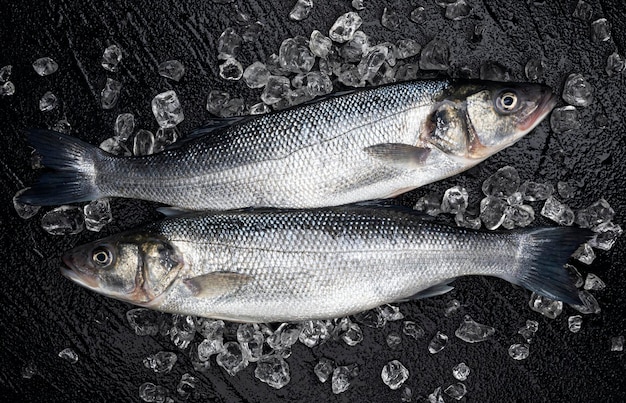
{"x": 430, "y": 204}
{"x": 183, "y": 330}
{"x": 461, "y": 371}
{"x": 97, "y": 214}
{"x": 228, "y": 44}
{"x": 436, "y": 396}
{"x": 353, "y": 50}
{"x": 45, "y": 66}
{"x": 284, "y": 337}
{"x": 272, "y": 370}
{"x": 256, "y": 75}
{"x": 259, "y": 109}
{"x": 209, "y": 347}
{"x": 606, "y": 235}
{"x": 565, "y": 190}
{"x": 574, "y": 323}
{"x": 7, "y": 89}
{"x": 435, "y": 55}
{"x": 167, "y": 110}
{"x": 503, "y": 183}
{"x": 62, "y": 126}
{"x": 529, "y": 330}
{"x": 110, "y": 93}
{"x": 393, "y": 340}
{"x": 407, "y": 394}
{"x": 584, "y": 254}
{"x": 323, "y": 369}
{"x": 617, "y": 343}
{"x": 69, "y": 355}
{"x": 593, "y": 282}
{"x": 344, "y": 28}
{"x": 143, "y": 144}
{"x": 111, "y": 58}
{"x": 114, "y": 146}
{"x": 394, "y": 374}
{"x": 216, "y": 101}
{"x": 456, "y": 391}
{"x": 583, "y": 11}
{"x": 164, "y": 137}
{"x": 452, "y": 307}
{"x": 5, "y": 73}
{"x": 23, "y": 210}
{"x": 545, "y": 306}
{"x": 64, "y": 220}
{"x": 212, "y": 330}
{"x": 231, "y": 69}
{"x": 245, "y": 332}
{"x": 149, "y": 392}
{"x": 437, "y": 343}
{"x": 319, "y": 44}
{"x": 407, "y": 48}
{"x": 599, "y": 212}
{"x": 316, "y": 83}
{"x": 186, "y": 385}
{"x": 533, "y": 191}
{"x": 232, "y": 358}
{"x": 557, "y": 212}
{"x": 577, "y": 90}
{"x": 48, "y": 102}
{"x": 471, "y": 331}
{"x": 391, "y": 313}
{"x": 276, "y": 89}
{"x": 534, "y": 69}
{"x": 172, "y": 69}
{"x": 590, "y": 304}
{"x": 358, "y": 5}
{"x": 614, "y": 64}
{"x": 352, "y": 336}
{"x": 519, "y": 351}
{"x": 301, "y": 10}
{"x": 145, "y": 322}
{"x": 342, "y": 376}
{"x": 492, "y": 212}
{"x": 467, "y": 220}
{"x": 254, "y": 346}
{"x": 124, "y": 125}
{"x": 454, "y": 200}
{"x": 493, "y": 71}
{"x": 390, "y": 19}
{"x": 458, "y": 10}
{"x": 413, "y": 330}
{"x": 371, "y": 61}
{"x": 564, "y": 119}
{"x": 418, "y": 15}
{"x": 295, "y": 56}
{"x": 314, "y": 332}
{"x": 519, "y": 215}
{"x": 161, "y": 362}
{"x": 600, "y": 30}
{"x": 252, "y": 31}
{"x": 372, "y": 318}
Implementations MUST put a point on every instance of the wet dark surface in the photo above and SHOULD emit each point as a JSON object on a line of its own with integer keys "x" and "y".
{"x": 42, "y": 313}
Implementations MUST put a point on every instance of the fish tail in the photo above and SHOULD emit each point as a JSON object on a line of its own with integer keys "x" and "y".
{"x": 71, "y": 172}
{"x": 542, "y": 255}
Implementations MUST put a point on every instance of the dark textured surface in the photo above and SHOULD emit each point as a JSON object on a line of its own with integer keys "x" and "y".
{"x": 43, "y": 313}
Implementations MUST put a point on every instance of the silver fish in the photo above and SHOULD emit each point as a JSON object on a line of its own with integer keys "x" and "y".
{"x": 265, "y": 266}
{"x": 368, "y": 144}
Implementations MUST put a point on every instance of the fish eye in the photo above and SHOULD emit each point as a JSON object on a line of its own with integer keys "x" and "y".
{"x": 506, "y": 101}
{"x": 102, "y": 256}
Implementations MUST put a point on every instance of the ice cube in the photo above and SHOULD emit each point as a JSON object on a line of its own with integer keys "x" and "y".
{"x": 454, "y": 200}
{"x": 358, "y": 5}
{"x": 183, "y": 330}
{"x": 390, "y": 19}
{"x": 62, "y": 126}
{"x": 316, "y": 83}
{"x": 256, "y": 75}
{"x": 597, "y": 213}
{"x": 69, "y": 355}
{"x": 533, "y": 191}
{"x": 254, "y": 346}
{"x": 435, "y": 55}
{"x": 614, "y": 64}
{"x": 29, "y": 370}
{"x": 314, "y": 332}
{"x": 583, "y": 11}
{"x": 24, "y": 210}
{"x": 355, "y": 48}
{"x": 403, "y": 73}
{"x": 295, "y": 56}
{"x": 172, "y": 69}
{"x": 7, "y": 89}
{"x": 617, "y": 343}
{"x": 161, "y": 362}
{"x": 245, "y": 332}
{"x": 45, "y": 66}
{"x": 593, "y": 282}
{"x": 371, "y": 61}
{"x": 231, "y": 69}
{"x": 577, "y": 90}
{"x": 217, "y": 101}
{"x": 564, "y": 119}
{"x": 606, "y": 235}
{"x": 574, "y": 323}
{"x": 456, "y": 391}
{"x": 319, "y": 44}
{"x": 344, "y": 27}
{"x": 64, "y": 220}
{"x": 407, "y": 394}
{"x": 259, "y": 109}
{"x": 520, "y": 215}
{"x": 167, "y": 110}
{"x": 232, "y": 358}
{"x": 519, "y": 351}
{"x": 5, "y": 73}
{"x": 436, "y": 397}
{"x": 393, "y": 340}
{"x": 390, "y": 313}
{"x": 418, "y": 15}
{"x": 323, "y": 369}
{"x": 534, "y": 69}
{"x": 471, "y": 331}
{"x": 566, "y": 190}
{"x": 493, "y": 71}
{"x": 97, "y": 214}
{"x": 301, "y": 10}
{"x": 458, "y": 10}
{"x": 352, "y": 336}
{"x": 407, "y": 48}
{"x": 394, "y": 374}
{"x": 228, "y": 44}
{"x": 503, "y": 183}
{"x": 252, "y": 32}
{"x": 492, "y": 212}
{"x": 372, "y": 318}
{"x": 273, "y": 370}
{"x": 164, "y": 137}
{"x": 557, "y": 212}
{"x": 114, "y": 146}
{"x": 461, "y": 371}
{"x": 545, "y": 306}
{"x": 110, "y": 93}
{"x": 209, "y": 347}
{"x": 342, "y": 376}
{"x": 143, "y": 143}
{"x": 276, "y": 89}
{"x": 186, "y": 385}
{"x": 145, "y": 322}
{"x": 430, "y": 204}
{"x": 124, "y": 125}
{"x": 437, "y": 343}
{"x": 48, "y": 102}
{"x": 284, "y": 337}
{"x": 589, "y": 303}
{"x": 413, "y": 330}
{"x": 529, "y": 330}
{"x": 111, "y": 58}
{"x": 600, "y": 30}
{"x": 584, "y": 254}
{"x": 467, "y": 220}
{"x": 149, "y": 392}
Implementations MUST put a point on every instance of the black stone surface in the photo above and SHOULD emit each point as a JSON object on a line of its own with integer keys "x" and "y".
{"x": 41, "y": 313}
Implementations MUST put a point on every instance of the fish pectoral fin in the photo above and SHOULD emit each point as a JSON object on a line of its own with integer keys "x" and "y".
{"x": 402, "y": 155}
{"x": 435, "y": 290}
{"x": 216, "y": 283}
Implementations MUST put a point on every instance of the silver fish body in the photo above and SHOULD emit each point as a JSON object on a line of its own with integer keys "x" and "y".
{"x": 297, "y": 265}
{"x": 368, "y": 144}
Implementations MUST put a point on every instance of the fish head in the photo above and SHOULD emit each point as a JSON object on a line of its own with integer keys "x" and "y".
{"x": 136, "y": 268}
{"x": 476, "y": 120}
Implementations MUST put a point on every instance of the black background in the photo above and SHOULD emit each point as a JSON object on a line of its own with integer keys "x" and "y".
{"x": 43, "y": 313}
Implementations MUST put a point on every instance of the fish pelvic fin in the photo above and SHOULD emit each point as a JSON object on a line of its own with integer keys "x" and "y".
{"x": 216, "y": 284}
{"x": 398, "y": 154}
{"x": 70, "y": 177}
{"x": 543, "y": 253}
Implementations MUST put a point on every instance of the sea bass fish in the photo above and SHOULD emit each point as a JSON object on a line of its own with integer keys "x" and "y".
{"x": 366, "y": 144}
{"x": 266, "y": 266}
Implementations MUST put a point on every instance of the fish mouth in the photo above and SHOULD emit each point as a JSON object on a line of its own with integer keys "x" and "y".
{"x": 71, "y": 272}
{"x": 548, "y": 102}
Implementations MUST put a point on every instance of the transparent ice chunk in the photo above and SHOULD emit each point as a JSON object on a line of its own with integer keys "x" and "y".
{"x": 452, "y": 307}
{"x": 589, "y": 303}
{"x": 467, "y": 220}
{"x": 577, "y": 90}
{"x": 69, "y": 355}
{"x": 7, "y": 89}
{"x": 614, "y": 64}
{"x": 533, "y": 191}
{"x": 167, "y": 109}
{"x": 323, "y": 369}
{"x": 492, "y": 212}
{"x": 407, "y": 48}
{"x": 124, "y": 125}
{"x": 48, "y": 102}
{"x": 436, "y": 397}
{"x": 520, "y": 215}
{"x": 437, "y": 343}
{"x": 143, "y": 143}
{"x": 353, "y": 50}
{"x": 471, "y": 331}
{"x": 315, "y": 83}
{"x": 111, "y": 58}
{"x": 64, "y": 220}
{"x": 566, "y": 190}
{"x": 504, "y": 182}
{"x": 232, "y": 358}
{"x": 358, "y": 5}
{"x": 350, "y": 76}
{"x": 413, "y": 330}
{"x": 456, "y": 391}
{"x": 343, "y": 376}
{"x": 564, "y": 119}
{"x": 529, "y": 330}
{"x": 545, "y": 306}
{"x": 183, "y": 330}
{"x": 394, "y": 374}
{"x": 284, "y": 337}
{"x": 574, "y": 323}
{"x": 295, "y": 56}
{"x": 407, "y": 394}
{"x": 62, "y": 126}
{"x": 29, "y": 370}
{"x": 606, "y": 235}
{"x": 454, "y": 200}
{"x": 584, "y": 254}
{"x": 597, "y": 213}
{"x": 149, "y": 392}
{"x": 186, "y": 385}
{"x": 319, "y": 44}
{"x": 593, "y": 282}
{"x": 231, "y": 69}
{"x": 256, "y": 75}
{"x": 161, "y": 362}
{"x": 97, "y": 214}
{"x": 519, "y": 351}
{"x": 458, "y": 10}
{"x": 273, "y": 370}
{"x": 534, "y": 69}
{"x": 617, "y": 343}
{"x": 344, "y": 27}
{"x": 245, "y": 332}
{"x": 5, "y": 73}
{"x": 24, "y": 210}
{"x": 391, "y": 313}
{"x": 45, "y": 66}
{"x": 430, "y": 204}
{"x": 276, "y": 89}
{"x": 418, "y": 15}
{"x": 301, "y": 10}
{"x": 314, "y": 332}
{"x": 461, "y": 371}
{"x": 372, "y": 318}
{"x": 404, "y": 72}
{"x": 371, "y": 61}
{"x": 493, "y": 71}
{"x": 600, "y": 30}
{"x": 583, "y": 11}
{"x": 254, "y": 346}
{"x": 228, "y": 44}
{"x": 172, "y": 69}
{"x": 259, "y": 109}
{"x": 114, "y": 146}
{"x": 110, "y": 93}
{"x": 164, "y": 137}
{"x": 435, "y": 55}
{"x": 252, "y": 31}
{"x": 393, "y": 340}
{"x": 390, "y": 19}
{"x": 557, "y": 212}
{"x": 217, "y": 101}
{"x": 145, "y": 322}
{"x": 353, "y": 335}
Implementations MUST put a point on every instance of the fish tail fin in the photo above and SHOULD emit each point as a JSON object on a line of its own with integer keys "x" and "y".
{"x": 543, "y": 252}
{"x": 71, "y": 172}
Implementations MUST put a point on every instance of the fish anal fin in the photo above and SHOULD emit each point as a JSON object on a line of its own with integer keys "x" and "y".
{"x": 402, "y": 155}
{"x": 433, "y": 291}
{"x": 215, "y": 284}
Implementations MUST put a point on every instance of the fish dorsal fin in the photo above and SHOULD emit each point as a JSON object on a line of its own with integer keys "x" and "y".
{"x": 401, "y": 155}
{"x": 211, "y": 126}
{"x": 433, "y": 291}
{"x": 216, "y": 283}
